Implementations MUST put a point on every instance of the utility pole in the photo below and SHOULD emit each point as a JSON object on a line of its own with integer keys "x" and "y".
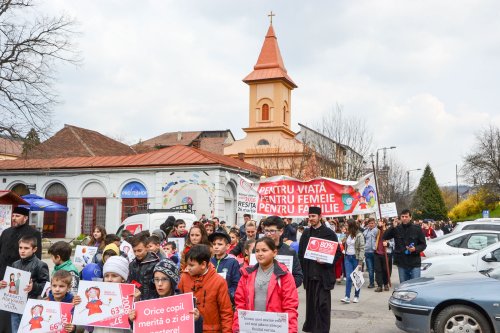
{"x": 456, "y": 175}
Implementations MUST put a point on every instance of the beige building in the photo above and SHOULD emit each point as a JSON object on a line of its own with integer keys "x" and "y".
{"x": 270, "y": 142}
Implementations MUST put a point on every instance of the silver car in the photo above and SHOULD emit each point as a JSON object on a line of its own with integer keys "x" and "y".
{"x": 462, "y": 302}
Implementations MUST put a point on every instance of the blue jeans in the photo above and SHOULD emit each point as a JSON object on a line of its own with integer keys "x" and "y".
{"x": 350, "y": 263}
{"x": 15, "y": 320}
{"x": 370, "y": 266}
{"x": 406, "y": 274}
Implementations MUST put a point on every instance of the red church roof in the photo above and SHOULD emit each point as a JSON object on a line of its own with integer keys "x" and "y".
{"x": 270, "y": 65}
{"x": 175, "y": 156}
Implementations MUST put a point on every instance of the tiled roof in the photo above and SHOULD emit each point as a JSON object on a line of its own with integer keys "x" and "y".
{"x": 172, "y": 139}
{"x": 72, "y": 141}
{"x": 270, "y": 65}
{"x": 167, "y": 157}
{"x": 11, "y": 147}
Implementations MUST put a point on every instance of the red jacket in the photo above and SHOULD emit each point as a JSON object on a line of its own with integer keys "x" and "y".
{"x": 282, "y": 295}
{"x": 212, "y": 299}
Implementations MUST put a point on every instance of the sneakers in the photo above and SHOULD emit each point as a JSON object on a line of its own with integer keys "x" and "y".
{"x": 345, "y": 300}
{"x": 355, "y": 300}
{"x": 378, "y": 289}
{"x": 386, "y": 287}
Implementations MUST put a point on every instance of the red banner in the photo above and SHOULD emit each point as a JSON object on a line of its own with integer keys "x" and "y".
{"x": 290, "y": 197}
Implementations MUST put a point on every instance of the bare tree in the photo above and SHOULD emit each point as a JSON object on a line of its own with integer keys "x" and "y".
{"x": 30, "y": 47}
{"x": 346, "y": 143}
{"x": 392, "y": 184}
{"x": 482, "y": 164}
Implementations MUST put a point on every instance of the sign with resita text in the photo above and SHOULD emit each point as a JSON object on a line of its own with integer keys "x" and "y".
{"x": 45, "y": 317}
{"x": 321, "y": 249}
{"x": 246, "y": 197}
{"x": 259, "y": 321}
{"x": 285, "y": 196}
{"x": 167, "y": 314}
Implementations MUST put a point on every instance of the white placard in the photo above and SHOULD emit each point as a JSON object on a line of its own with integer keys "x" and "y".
{"x": 45, "y": 317}
{"x": 13, "y": 297}
{"x": 5, "y": 217}
{"x": 284, "y": 259}
{"x": 321, "y": 249}
{"x": 126, "y": 248}
{"x": 104, "y": 304}
{"x": 357, "y": 278}
{"x": 46, "y": 290}
{"x": 180, "y": 242}
{"x": 389, "y": 209}
{"x": 259, "y": 321}
{"x": 84, "y": 254}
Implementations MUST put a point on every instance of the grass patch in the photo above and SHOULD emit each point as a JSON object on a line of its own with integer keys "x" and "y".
{"x": 493, "y": 213}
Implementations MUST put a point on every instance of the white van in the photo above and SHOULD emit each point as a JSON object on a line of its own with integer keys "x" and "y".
{"x": 152, "y": 221}
{"x": 479, "y": 224}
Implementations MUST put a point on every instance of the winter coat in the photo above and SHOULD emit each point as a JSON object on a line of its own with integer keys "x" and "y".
{"x": 141, "y": 274}
{"x": 404, "y": 235}
{"x": 39, "y": 273}
{"x": 231, "y": 267}
{"x": 370, "y": 239}
{"x": 282, "y": 295}
{"x": 75, "y": 275}
{"x": 285, "y": 250}
{"x": 212, "y": 297}
{"x": 9, "y": 244}
{"x": 326, "y": 270}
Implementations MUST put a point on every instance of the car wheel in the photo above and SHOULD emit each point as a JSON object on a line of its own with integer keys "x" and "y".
{"x": 460, "y": 318}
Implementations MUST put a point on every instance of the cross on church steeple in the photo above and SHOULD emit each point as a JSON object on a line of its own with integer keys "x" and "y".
{"x": 271, "y": 16}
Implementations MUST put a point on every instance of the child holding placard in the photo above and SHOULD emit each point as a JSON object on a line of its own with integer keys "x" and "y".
{"x": 166, "y": 279}
{"x": 268, "y": 286}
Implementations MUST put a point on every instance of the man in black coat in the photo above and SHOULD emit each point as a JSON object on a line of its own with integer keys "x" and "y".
{"x": 409, "y": 242}
{"x": 319, "y": 277}
{"x": 9, "y": 250}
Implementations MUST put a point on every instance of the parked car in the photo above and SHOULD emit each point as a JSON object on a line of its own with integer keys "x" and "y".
{"x": 460, "y": 242}
{"x": 151, "y": 221}
{"x": 482, "y": 260}
{"x": 479, "y": 224}
{"x": 463, "y": 302}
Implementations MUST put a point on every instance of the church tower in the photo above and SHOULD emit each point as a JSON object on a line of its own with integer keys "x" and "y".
{"x": 270, "y": 90}
{"x": 270, "y": 142}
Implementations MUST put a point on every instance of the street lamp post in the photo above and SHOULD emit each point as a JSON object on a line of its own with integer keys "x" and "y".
{"x": 408, "y": 179}
{"x": 377, "y": 169}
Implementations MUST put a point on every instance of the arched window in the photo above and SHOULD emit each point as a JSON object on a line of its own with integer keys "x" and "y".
{"x": 263, "y": 142}
{"x": 20, "y": 189}
{"x": 265, "y": 112}
{"x": 284, "y": 114}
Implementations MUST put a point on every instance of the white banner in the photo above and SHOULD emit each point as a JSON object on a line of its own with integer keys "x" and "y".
{"x": 389, "y": 209}
{"x": 259, "y": 321}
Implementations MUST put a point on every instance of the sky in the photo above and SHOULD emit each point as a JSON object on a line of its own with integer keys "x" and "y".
{"x": 424, "y": 75}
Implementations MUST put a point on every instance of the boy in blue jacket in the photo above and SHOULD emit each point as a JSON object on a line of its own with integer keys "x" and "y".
{"x": 227, "y": 266}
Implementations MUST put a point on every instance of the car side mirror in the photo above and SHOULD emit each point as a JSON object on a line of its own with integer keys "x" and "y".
{"x": 488, "y": 257}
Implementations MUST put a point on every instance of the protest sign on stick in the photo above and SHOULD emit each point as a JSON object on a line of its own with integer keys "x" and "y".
{"x": 45, "y": 317}
{"x": 166, "y": 314}
{"x": 104, "y": 304}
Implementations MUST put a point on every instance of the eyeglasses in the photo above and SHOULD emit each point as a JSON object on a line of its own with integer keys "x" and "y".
{"x": 271, "y": 232}
{"x": 160, "y": 280}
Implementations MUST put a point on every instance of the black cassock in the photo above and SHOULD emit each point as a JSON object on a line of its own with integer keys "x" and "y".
{"x": 319, "y": 280}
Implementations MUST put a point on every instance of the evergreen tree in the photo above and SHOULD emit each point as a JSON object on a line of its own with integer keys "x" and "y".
{"x": 428, "y": 202}
{"x": 30, "y": 141}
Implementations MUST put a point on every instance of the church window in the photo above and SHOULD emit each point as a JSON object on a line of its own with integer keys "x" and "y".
{"x": 265, "y": 112}
{"x": 284, "y": 114}
{"x": 263, "y": 142}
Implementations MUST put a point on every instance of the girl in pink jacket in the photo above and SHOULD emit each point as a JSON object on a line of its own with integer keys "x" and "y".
{"x": 268, "y": 286}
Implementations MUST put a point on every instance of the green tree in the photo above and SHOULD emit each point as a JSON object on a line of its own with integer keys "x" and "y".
{"x": 30, "y": 141}
{"x": 428, "y": 201}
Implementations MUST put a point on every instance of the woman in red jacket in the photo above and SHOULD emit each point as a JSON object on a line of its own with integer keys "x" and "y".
{"x": 268, "y": 286}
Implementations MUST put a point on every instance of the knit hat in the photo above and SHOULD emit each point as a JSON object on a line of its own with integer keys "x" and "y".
{"x": 118, "y": 265}
{"x": 169, "y": 268}
{"x": 159, "y": 233}
{"x": 112, "y": 247}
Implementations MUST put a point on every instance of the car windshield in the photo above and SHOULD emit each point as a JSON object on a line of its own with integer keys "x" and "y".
{"x": 438, "y": 239}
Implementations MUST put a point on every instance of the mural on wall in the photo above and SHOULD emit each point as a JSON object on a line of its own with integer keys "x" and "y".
{"x": 189, "y": 188}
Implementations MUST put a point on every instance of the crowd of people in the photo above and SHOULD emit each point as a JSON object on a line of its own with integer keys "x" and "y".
{"x": 227, "y": 268}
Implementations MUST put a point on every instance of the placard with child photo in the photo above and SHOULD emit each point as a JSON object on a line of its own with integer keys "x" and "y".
{"x": 13, "y": 295}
